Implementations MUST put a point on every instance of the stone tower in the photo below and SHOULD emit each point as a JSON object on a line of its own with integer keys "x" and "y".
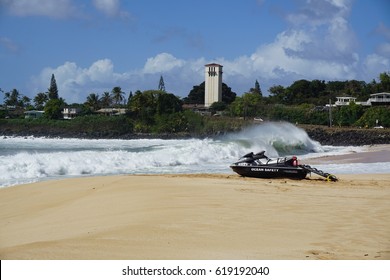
{"x": 213, "y": 84}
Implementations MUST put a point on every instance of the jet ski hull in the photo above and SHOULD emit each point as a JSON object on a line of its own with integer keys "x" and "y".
{"x": 267, "y": 171}
{"x": 260, "y": 166}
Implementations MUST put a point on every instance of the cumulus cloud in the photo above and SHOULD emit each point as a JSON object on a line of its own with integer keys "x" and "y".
{"x": 326, "y": 24}
{"x": 285, "y": 60}
{"x": 75, "y": 83}
{"x": 375, "y": 64}
{"x": 384, "y": 49}
{"x": 319, "y": 44}
{"x": 163, "y": 62}
{"x": 61, "y": 9}
{"x": 49, "y": 8}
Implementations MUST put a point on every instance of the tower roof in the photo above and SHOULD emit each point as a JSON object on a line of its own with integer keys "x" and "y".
{"x": 213, "y": 64}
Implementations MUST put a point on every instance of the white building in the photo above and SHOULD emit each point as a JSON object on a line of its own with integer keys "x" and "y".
{"x": 376, "y": 99}
{"x": 33, "y": 114}
{"x": 213, "y": 84}
{"x": 382, "y": 98}
{"x": 70, "y": 113}
{"x": 112, "y": 111}
{"x": 344, "y": 100}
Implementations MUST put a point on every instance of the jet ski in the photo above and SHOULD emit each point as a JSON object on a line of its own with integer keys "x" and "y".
{"x": 260, "y": 166}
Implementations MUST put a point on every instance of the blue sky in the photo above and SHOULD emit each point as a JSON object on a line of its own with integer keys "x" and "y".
{"x": 92, "y": 46}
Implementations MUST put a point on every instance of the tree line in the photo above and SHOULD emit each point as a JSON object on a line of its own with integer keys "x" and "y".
{"x": 160, "y": 111}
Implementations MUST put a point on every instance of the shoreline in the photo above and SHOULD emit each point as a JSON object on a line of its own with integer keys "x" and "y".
{"x": 197, "y": 216}
{"x": 367, "y": 154}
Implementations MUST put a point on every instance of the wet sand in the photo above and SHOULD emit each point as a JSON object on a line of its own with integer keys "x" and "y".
{"x": 366, "y": 154}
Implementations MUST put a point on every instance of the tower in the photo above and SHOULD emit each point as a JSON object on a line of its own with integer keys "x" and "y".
{"x": 213, "y": 84}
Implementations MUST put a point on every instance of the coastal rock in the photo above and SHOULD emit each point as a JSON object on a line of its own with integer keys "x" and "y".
{"x": 348, "y": 136}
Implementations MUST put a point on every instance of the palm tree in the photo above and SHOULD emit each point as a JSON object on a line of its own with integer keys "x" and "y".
{"x": 25, "y": 102}
{"x": 40, "y": 100}
{"x": 12, "y": 98}
{"x": 105, "y": 100}
{"x": 117, "y": 95}
{"x": 93, "y": 101}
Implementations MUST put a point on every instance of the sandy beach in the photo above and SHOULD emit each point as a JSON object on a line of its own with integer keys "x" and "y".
{"x": 197, "y": 217}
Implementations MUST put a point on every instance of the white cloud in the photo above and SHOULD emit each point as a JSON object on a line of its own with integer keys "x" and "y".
{"x": 271, "y": 64}
{"x": 163, "y": 62}
{"x": 375, "y": 64}
{"x": 110, "y": 8}
{"x": 49, "y": 8}
{"x": 285, "y": 60}
{"x": 61, "y": 9}
{"x": 319, "y": 45}
{"x": 343, "y": 5}
{"x": 75, "y": 83}
{"x": 384, "y": 49}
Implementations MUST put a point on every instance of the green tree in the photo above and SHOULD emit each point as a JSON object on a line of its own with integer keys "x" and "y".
{"x": 53, "y": 108}
{"x": 197, "y": 94}
{"x": 40, "y": 100}
{"x": 277, "y": 94}
{"x": 218, "y": 106}
{"x": 53, "y": 90}
{"x": 251, "y": 103}
{"x": 161, "y": 84}
{"x": 371, "y": 115}
{"x": 298, "y": 92}
{"x": 385, "y": 81}
{"x": 149, "y": 104}
{"x": 93, "y": 101}
{"x": 144, "y": 105}
{"x": 12, "y": 98}
{"x": 168, "y": 103}
{"x": 128, "y": 99}
{"x": 106, "y": 100}
{"x": 246, "y": 106}
{"x": 26, "y": 101}
{"x": 348, "y": 115}
{"x": 117, "y": 95}
{"x": 256, "y": 89}
{"x": 228, "y": 95}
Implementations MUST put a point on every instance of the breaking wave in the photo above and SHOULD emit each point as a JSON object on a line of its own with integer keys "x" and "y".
{"x": 278, "y": 139}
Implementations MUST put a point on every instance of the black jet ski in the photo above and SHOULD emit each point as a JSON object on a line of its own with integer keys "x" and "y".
{"x": 260, "y": 166}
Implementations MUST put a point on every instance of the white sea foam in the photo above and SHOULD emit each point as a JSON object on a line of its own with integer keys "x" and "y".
{"x": 49, "y": 158}
{"x": 29, "y": 159}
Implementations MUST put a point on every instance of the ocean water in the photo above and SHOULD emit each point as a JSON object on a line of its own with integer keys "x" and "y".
{"x": 30, "y": 159}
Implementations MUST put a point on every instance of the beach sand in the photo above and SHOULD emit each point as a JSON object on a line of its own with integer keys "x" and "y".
{"x": 203, "y": 216}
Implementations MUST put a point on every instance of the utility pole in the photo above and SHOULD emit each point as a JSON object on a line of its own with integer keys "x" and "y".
{"x": 330, "y": 112}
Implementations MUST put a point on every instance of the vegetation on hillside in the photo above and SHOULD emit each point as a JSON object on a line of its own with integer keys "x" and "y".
{"x": 161, "y": 112}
